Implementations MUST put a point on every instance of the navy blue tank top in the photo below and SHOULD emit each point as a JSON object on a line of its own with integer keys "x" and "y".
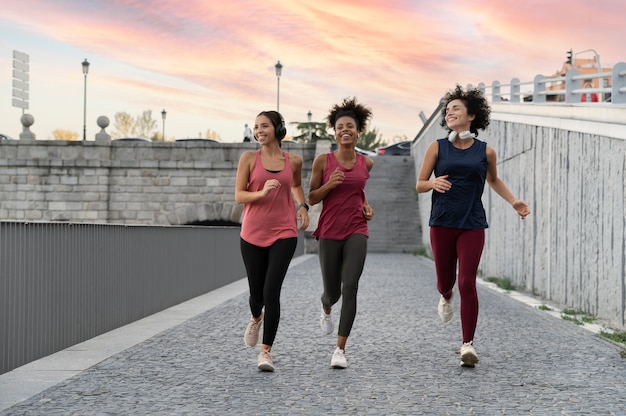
{"x": 461, "y": 206}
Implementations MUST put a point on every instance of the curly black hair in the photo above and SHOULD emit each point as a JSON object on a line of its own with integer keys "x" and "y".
{"x": 476, "y": 104}
{"x": 349, "y": 107}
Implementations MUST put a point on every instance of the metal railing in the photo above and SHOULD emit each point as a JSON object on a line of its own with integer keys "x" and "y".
{"x": 567, "y": 86}
{"x": 64, "y": 283}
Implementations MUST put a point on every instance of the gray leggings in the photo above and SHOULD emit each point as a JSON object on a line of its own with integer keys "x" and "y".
{"x": 342, "y": 263}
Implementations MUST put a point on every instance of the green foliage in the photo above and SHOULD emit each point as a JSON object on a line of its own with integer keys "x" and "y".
{"x": 501, "y": 283}
{"x": 571, "y": 319}
{"x": 616, "y": 335}
{"x": 370, "y": 140}
{"x": 578, "y": 317}
{"x": 318, "y": 132}
{"x": 544, "y": 308}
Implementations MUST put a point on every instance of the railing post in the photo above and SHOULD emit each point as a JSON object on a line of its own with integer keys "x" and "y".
{"x": 481, "y": 87}
{"x": 539, "y": 89}
{"x": 618, "y": 89}
{"x": 495, "y": 92}
{"x": 571, "y": 85}
{"x": 515, "y": 90}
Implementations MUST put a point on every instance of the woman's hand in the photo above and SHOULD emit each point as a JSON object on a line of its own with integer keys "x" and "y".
{"x": 521, "y": 207}
{"x": 368, "y": 212}
{"x": 269, "y": 185}
{"x": 441, "y": 184}
{"x": 335, "y": 179}
{"x": 303, "y": 218}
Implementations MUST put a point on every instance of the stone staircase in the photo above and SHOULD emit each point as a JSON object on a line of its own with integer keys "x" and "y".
{"x": 390, "y": 190}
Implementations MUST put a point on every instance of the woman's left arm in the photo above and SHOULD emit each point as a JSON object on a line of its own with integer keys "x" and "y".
{"x": 500, "y": 187}
{"x": 368, "y": 211}
{"x": 298, "y": 191}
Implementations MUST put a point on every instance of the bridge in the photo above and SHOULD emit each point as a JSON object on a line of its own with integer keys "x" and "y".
{"x": 100, "y": 234}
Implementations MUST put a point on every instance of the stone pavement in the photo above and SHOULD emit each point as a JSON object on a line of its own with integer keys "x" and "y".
{"x": 401, "y": 359}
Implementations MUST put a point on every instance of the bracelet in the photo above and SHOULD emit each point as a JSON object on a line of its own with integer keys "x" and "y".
{"x": 304, "y": 204}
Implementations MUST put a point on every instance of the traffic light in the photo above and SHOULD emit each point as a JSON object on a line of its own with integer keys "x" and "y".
{"x": 569, "y": 57}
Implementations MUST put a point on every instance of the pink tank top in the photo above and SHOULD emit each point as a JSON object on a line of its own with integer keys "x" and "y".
{"x": 342, "y": 209}
{"x": 272, "y": 217}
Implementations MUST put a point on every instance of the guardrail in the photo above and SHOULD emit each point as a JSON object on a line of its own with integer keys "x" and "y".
{"x": 567, "y": 86}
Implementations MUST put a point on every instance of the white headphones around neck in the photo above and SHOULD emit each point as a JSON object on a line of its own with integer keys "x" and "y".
{"x": 463, "y": 135}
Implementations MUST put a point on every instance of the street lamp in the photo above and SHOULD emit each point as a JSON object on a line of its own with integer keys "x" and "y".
{"x": 163, "y": 114}
{"x": 309, "y": 115}
{"x": 85, "y": 72}
{"x": 279, "y": 69}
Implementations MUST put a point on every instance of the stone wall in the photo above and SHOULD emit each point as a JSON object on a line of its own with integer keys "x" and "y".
{"x": 124, "y": 182}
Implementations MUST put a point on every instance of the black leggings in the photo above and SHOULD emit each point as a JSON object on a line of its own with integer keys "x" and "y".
{"x": 342, "y": 264}
{"x": 266, "y": 268}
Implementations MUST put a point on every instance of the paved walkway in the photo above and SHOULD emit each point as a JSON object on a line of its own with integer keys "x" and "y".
{"x": 401, "y": 358}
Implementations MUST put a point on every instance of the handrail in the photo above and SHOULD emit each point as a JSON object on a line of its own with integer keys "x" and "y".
{"x": 552, "y": 89}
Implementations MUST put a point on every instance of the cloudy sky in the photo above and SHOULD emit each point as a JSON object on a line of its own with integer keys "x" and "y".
{"x": 210, "y": 64}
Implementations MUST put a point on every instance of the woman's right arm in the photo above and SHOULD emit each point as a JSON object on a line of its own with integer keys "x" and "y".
{"x": 315, "y": 183}
{"x": 242, "y": 195}
{"x": 424, "y": 184}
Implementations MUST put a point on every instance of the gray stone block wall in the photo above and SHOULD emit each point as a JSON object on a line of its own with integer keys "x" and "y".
{"x": 124, "y": 182}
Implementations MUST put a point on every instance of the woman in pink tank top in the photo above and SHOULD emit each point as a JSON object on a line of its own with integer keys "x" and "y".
{"x": 338, "y": 180}
{"x": 267, "y": 182}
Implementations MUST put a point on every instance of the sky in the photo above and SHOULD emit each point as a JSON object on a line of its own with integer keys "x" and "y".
{"x": 210, "y": 64}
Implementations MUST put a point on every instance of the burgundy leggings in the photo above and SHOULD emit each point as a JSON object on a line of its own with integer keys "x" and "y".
{"x": 466, "y": 246}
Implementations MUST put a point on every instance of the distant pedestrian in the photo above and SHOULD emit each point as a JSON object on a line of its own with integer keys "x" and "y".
{"x": 461, "y": 164}
{"x": 338, "y": 180}
{"x": 267, "y": 182}
{"x": 247, "y": 134}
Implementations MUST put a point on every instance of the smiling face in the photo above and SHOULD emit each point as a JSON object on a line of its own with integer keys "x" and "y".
{"x": 346, "y": 131}
{"x": 457, "y": 118}
{"x": 264, "y": 130}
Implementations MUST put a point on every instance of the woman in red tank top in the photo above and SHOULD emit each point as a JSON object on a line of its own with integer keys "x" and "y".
{"x": 267, "y": 182}
{"x": 338, "y": 181}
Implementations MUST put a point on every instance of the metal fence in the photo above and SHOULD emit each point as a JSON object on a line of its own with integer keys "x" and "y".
{"x": 64, "y": 283}
{"x": 566, "y": 88}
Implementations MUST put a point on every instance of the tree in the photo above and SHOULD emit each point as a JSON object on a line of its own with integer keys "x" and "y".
{"x": 318, "y": 132}
{"x": 144, "y": 125}
{"x": 212, "y": 135}
{"x": 60, "y": 134}
{"x": 370, "y": 140}
{"x": 123, "y": 125}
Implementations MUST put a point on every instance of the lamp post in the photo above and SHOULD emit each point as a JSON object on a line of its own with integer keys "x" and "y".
{"x": 279, "y": 69}
{"x": 85, "y": 72}
{"x": 309, "y": 115}
{"x": 163, "y": 114}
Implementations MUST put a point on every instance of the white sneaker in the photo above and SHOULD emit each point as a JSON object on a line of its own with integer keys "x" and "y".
{"x": 468, "y": 354}
{"x": 445, "y": 309}
{"x": 326, "y": 323}
{"x": 251, "y": 336}
{"x": 264, "y": 361}
{"x": 339, "y": 359}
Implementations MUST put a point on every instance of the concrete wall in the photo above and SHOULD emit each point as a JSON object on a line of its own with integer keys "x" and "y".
{"x": 568, "y": 163}
{"x": 124, "y": 182}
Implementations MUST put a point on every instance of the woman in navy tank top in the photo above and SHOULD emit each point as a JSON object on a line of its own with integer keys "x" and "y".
{"x": 459, "y": 166}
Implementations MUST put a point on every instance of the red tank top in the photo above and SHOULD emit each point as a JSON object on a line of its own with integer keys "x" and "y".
{"x": 342, "y": 209}
{"x": 272, "y": 217}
